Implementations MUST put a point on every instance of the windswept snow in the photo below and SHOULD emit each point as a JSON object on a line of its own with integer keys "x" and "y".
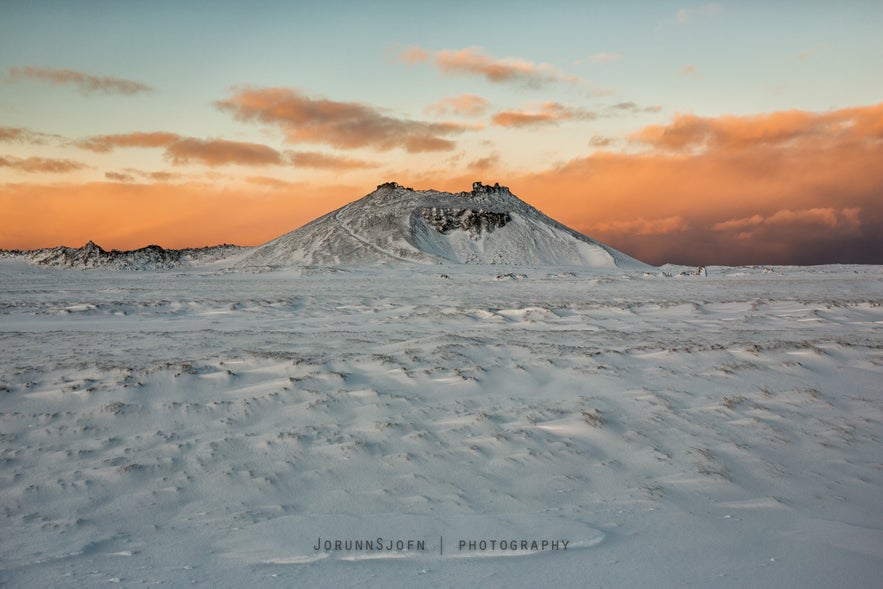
{"x": 212, "y": 428}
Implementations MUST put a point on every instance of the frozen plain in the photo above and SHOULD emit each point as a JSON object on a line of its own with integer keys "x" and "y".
{"x": 205, "y": 427}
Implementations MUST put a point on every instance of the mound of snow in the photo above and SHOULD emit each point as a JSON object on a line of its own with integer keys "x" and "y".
{"x": 488, "y": 225}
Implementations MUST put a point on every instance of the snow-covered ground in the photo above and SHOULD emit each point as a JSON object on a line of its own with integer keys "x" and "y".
{"x": 209, "y": 427}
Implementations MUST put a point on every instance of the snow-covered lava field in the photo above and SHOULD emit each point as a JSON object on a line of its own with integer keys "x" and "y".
{"x": 227, "y": 428}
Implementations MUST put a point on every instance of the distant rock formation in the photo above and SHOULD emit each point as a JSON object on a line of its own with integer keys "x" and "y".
{"x": 392, "y": 186}
{"x": 151, "y": 257}
{"x": 479, "y": 188}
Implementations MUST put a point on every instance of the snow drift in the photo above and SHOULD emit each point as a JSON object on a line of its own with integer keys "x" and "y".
{"x": 488, "y": 225}
{"x": 207, "y": 428}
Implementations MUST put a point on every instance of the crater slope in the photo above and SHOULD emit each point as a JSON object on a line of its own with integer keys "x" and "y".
{"x": 488, "y": 225}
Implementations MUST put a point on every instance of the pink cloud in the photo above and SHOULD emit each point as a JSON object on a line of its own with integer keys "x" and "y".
{"x": 413, "y": 55}
{"x": 85, "y": 83}
{"x": 473, "y": 61}
{"x": 467, "y": 105}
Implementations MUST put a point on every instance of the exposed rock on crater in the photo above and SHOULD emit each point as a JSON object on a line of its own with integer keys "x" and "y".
{"x": 446, "y": 220}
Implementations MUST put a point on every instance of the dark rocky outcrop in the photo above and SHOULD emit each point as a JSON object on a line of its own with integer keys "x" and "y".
{"x": 446, "y": 220}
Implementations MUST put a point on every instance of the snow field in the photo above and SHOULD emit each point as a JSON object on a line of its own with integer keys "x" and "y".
{"x": 208, "y": 428}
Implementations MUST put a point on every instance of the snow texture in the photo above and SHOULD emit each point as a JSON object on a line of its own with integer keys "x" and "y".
{"x": 207, "y": 427}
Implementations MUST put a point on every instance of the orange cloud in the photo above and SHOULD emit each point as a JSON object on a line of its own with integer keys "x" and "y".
{"x": 643, "y": 226}
{"x": 216, "y": 152}
{"x": 829, "y": 217}
{"x": 131, "y": 175}
{"x": 183, "y": 150}
{"x": 346, "y": 125}
{"x": 834, "y": 221}
{"x": 155, "y": 176}
{"x": 219, "y": 152}
{"x": 85, "y": 83}
{"x": 159, "y": 176}
{"x": 776, "y": 188}
{"x": 314, "y": 159}
{"x": 473, "y": 61}
{"x": 778, "y": 130}
{"x": 40, "y": 165}
{"x": 484, "y": 163}
{"x": 119, "y": 177}
{"x": 22, "y": 135}
{"x": 468, "y": 105}
{"x": 106, "y": 143}
{"x": 601, "y": 141}
{"x": 548, "y": 113}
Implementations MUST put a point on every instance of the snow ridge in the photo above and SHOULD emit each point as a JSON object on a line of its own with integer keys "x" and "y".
{"x": 151, "y": 257}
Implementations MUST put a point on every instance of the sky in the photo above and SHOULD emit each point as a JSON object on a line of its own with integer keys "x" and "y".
{"x": 691, "y": 133}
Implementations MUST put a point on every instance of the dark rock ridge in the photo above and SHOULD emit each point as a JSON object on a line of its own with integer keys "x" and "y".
{"x": 474, "y": 221}
{"x": 479, "y": 188}
{"x": 393, "y": 186}
{"x": 151, "y": 257}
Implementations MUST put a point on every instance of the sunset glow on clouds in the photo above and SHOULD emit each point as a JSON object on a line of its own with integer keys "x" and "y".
{"x": 465, "y": 105}
{"x": 345, "y": 125}
{"x": 641, "y": 126}
{"x": 84, "y": 82}
{"x": 473, "y": 61}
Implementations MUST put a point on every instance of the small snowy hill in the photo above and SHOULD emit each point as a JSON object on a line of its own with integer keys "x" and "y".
{"x": 488, "y": 225}
{"x": 151, "y": 257}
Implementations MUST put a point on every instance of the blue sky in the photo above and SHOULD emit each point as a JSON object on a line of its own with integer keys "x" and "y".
{"x": 747, "y": 56}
